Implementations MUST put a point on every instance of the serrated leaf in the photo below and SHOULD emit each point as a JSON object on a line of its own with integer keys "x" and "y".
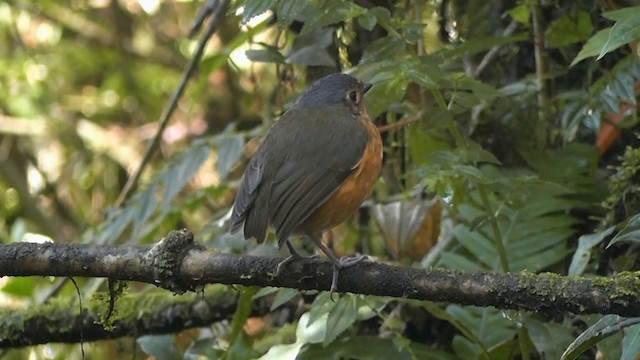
{"x": 290, "y": 10}
{"x": 321, "y": 306}
{"x": 469, "y": 172}
{"x": 608, "y": 325}
{"x": 582, "y": 254}
{"x": 622, "y": 33}
{"x": 254, "y": 8}
{"x": 229, "y": 152}
{"x": 341, "y": 317}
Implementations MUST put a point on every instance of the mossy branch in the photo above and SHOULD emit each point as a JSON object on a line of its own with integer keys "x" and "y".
{"x": 151, "y": 312}
{"x": 179, "y": 264}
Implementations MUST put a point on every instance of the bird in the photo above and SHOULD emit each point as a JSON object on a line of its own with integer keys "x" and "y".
{"x": 314, "y": 168}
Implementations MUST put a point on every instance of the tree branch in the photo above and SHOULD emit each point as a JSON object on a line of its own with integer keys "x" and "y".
{"x": 148, "y": 313}
{"x": 179, "y": 264}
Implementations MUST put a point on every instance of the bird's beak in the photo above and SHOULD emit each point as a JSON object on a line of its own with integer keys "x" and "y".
{"x": 366, "y": 87}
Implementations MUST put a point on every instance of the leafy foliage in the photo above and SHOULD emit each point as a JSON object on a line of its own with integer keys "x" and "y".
{"x": 492, "y": 107}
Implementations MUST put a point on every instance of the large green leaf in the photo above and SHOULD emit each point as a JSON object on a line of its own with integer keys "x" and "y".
{"x": 550, "y": 339}
{"x": 593, "y": 47}
{"x": 607, "y": 325}
{"x": 623, "y": 32}
{"x": 341, "y": 317}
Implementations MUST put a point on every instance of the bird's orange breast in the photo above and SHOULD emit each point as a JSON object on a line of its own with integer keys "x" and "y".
{"x": 353, "y": 191}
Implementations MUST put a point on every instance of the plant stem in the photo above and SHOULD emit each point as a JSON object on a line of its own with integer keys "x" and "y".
{"x": 497, "y": 236}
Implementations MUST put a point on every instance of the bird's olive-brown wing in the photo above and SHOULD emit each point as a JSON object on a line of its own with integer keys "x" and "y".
{"x": 322, "y": 147}
{"x": 246, "y": 198}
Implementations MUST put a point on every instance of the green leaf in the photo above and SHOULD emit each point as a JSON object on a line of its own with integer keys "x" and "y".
{"x": 622, "y": 14}
{"x": 373, "y": 347}
{"x": 311, "y": 49}
{"x": 160, "y": 347}
{"x": 622, "y": 33}
{"x": 569, "y": 29}
{"x": 328, "y": 12}
{"x": 630, "y": 233}
{"x": 253, "y": 8}
{"x": 265, "y": 291}
{"x": 267, "y": 55}
{"x": 583, "y": 253}
{"x": 382, "y": 14}
{"x": 116, "y": 224}
{"x": 306, "y": 333}
{"x": 238, "y": 340}
{"x": 521, "y": 14}
{"x": 386, "y": 48}
{"x": 341, "y": 317}
{"x": 146, "y": 204}
{"x": 229, "y": 153}
{"x": 290, "y": 10}
{"x": 550, "y": 339}
{"x": 608, "y": 325}
{"x": 21, "y": 286}
{"x": 631, "y": 343}
{"x": 593, "y": 46}
{"x": 442, "y": 314}
{"x": 283, "y": 296}
{"x": 367, "y": 20}
{"x": 181, "y": 172}
{"x": 489, "y": 327}
{"x": 478, "y": 45}
{"x": 18, "y": 230}
{"x": 321, "y": 306}
{"x": 205, "y": 348}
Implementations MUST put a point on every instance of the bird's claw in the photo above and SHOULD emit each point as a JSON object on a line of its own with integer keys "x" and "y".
{"x": 289, "y": 259}
{"x": 343, "y": 263}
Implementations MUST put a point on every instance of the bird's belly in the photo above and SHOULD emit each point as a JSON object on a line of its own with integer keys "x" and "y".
{"x": 353, "y": 191}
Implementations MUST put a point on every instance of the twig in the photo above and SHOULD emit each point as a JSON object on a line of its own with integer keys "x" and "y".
{"x": 217, "y": 14}
{"x": 541, "y": 70}
{"x": 493, "y": 52}
{"x": 399, "y": 124}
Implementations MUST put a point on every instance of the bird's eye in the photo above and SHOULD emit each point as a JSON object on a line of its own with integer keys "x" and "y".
{"x": 353, "y": 96}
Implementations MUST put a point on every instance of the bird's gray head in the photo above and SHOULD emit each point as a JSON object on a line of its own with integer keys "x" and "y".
{"x": 335, "y": 89}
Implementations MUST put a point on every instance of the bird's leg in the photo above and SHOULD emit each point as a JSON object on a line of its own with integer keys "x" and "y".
{"x": 294, "y": 255}
{"x": 338, "y": 263}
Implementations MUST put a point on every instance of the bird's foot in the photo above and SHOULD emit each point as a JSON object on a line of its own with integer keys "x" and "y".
{"x": 343, "y": 263}
{"x": 289, "y": 259}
